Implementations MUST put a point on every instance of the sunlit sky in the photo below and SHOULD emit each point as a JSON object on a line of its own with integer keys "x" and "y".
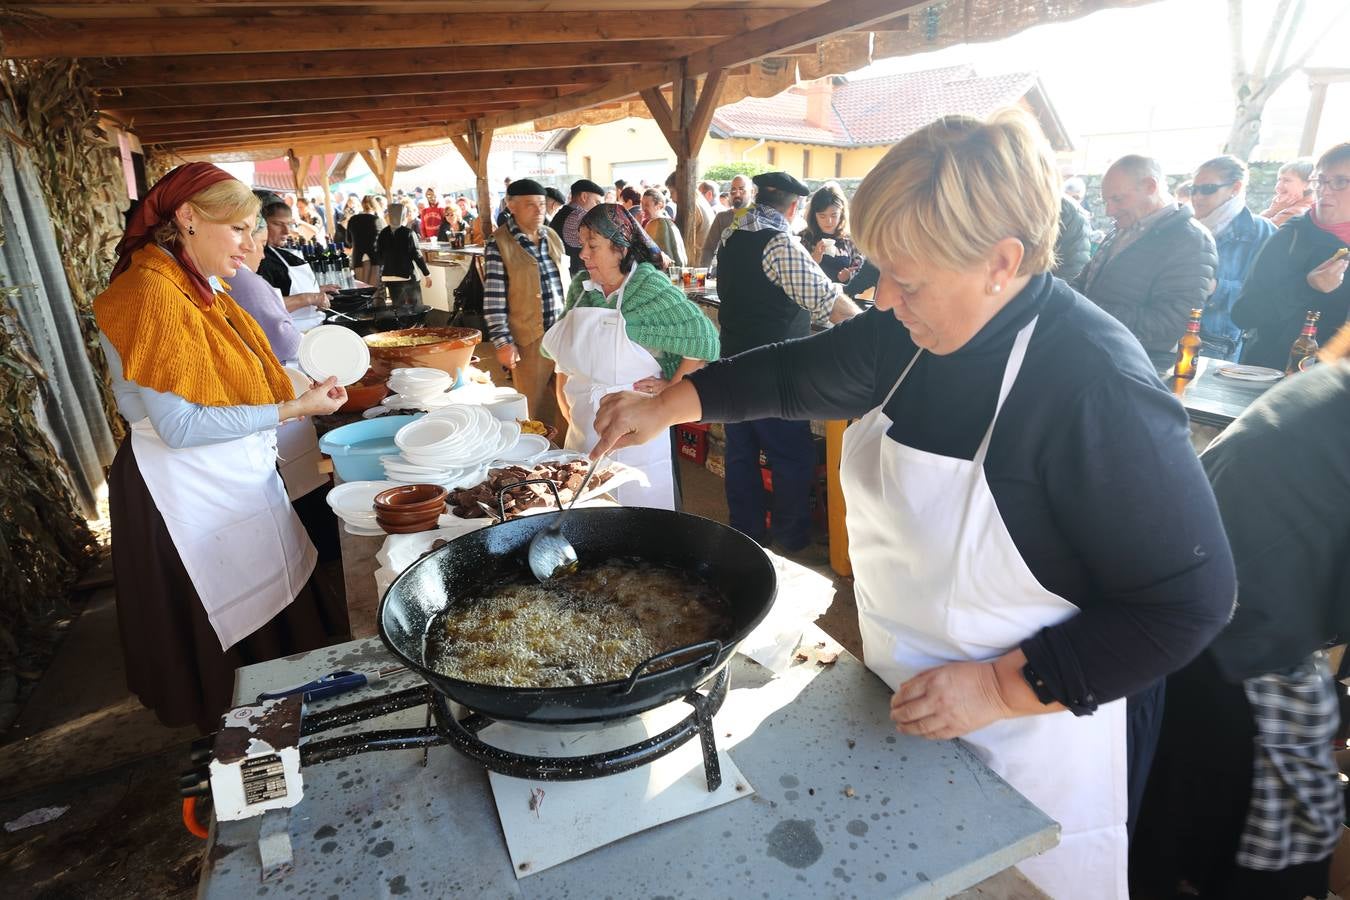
{"x": 1155, "y": 79}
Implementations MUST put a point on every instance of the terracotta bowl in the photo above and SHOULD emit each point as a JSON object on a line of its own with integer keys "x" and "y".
{"x": 421, "y": 519}
{"x": 407, "y": 529}
{"x": 451, "y": 353}
{"x": 366, "y": 393}
{"x": 411, "y": 498}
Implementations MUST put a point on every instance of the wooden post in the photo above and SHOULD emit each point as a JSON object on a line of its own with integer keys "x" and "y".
{"x": 1313, "y": 119}
{"x": 685, "y": 124}
{"x": 327, "y": 197}
{"x": 475, "y": 147}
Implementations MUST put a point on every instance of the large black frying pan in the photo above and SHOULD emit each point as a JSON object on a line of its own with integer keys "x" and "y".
{"x": 730, "y": 560}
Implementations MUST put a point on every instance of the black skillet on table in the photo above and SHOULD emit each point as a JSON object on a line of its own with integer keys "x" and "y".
{"x": 734, "y": 563}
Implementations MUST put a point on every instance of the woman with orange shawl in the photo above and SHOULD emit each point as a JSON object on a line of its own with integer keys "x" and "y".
{"x": 212, "y": 567}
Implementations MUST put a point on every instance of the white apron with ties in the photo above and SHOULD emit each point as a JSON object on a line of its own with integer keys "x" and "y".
{"x": 938, "y": 579}
{"x": 299, "y": 454}
{"x": 590, "y": 345}
{"x": 236, "y": 533}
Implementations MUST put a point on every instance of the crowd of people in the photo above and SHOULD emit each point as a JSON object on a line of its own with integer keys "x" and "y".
{"x": 1133, "y": 636}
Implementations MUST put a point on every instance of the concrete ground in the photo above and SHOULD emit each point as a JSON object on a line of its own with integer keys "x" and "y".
{"x": 88, "y": 792}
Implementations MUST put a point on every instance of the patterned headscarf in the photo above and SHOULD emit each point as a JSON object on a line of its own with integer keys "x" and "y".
{"x": 157, "y": 207}
{"x": 618, "y": 226}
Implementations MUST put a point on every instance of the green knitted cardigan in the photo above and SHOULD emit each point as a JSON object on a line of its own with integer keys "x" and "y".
{"x": 657, "y": 316}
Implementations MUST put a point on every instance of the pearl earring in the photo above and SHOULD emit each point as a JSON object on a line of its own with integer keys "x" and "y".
{"x": 996, "y": 288}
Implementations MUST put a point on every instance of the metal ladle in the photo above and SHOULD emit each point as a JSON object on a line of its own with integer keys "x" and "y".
{"x": 551, "y": 555}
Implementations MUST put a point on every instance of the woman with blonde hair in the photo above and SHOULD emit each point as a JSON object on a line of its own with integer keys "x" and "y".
{"x": 1012, "y": 448}
{"x": 660, "y": 227}
{"x": 212, "y": 567}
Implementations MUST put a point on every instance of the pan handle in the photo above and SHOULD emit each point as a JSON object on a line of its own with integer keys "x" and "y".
{"x": 707, "y": 650}
{"x": 501, "y": 494}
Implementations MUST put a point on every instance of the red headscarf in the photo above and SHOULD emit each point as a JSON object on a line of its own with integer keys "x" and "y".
{"x": 158, "y": 206}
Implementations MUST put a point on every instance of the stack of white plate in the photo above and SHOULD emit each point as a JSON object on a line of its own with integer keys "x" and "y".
{"x": 455, "y": 446}
{"x": 419, "y": 388}
{"x": 354, "y": 503}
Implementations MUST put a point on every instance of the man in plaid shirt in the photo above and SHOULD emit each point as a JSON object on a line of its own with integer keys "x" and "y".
{"x": 523, "y": 281}
{"x": 771, "y": 290}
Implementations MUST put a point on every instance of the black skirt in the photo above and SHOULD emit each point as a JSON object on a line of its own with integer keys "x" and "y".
{"x": 174, "y": 663}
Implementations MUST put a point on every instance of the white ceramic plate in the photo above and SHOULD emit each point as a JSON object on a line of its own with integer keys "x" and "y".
{"x": 1249, "y": 373}
{"x": 377, "y": 531}
{"x": 299, "y": 380}
{"x": 334, "y": 350}
{"x": 356, "y": 497}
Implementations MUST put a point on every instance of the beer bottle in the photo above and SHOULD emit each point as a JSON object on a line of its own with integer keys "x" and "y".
{"x": 1306, "y": 344}
{"x": 1188, "y": 348}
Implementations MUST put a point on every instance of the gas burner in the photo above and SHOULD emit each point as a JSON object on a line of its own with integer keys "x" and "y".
{"x": 443, "y": 728}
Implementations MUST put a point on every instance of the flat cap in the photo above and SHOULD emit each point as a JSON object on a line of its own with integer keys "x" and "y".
{"x": 781, "y": 181}
{"x": 524, "y": 187}
{"x": 587, "y": 186}
{"x": 555, "y": 195}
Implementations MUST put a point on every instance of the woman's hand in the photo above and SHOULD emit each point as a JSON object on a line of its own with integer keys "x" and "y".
{"x": 1329, "y": 275}
{"x": 818, "y": 252}
{"x": 652, "y": 384}
{"x": 949, "y": 701}
{"x": 628, "y": 419}
{"x": 426, "y": 282}
{"x": 319, "y": 400}
{"x": 321, "y": 300}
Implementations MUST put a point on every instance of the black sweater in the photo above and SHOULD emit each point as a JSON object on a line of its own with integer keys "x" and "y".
{"x": 1276, "y": 295}
{"x": 1090, "y": 464}
{"x": 396, "y": 252}
{"x": 1281, "y": 474}
{"x": 361, "y": 230}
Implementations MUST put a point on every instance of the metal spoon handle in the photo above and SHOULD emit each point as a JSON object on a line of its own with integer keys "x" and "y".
{"x": 557, "y": 526}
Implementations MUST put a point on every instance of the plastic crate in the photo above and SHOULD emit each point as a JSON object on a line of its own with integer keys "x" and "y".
{"x": 692, "y": 442}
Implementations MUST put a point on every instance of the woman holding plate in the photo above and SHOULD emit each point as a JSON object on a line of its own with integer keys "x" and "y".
{"x": 211, "y": 565}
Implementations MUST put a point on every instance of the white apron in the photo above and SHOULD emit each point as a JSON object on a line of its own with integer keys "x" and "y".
{"x": 938, "y": 579}
{"x": 299, "y": 453}
{"x": 590, "y": 345}
{"x": 227, "y": 513}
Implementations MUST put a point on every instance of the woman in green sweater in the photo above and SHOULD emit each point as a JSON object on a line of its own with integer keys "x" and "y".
{"x": 624, "y": 327}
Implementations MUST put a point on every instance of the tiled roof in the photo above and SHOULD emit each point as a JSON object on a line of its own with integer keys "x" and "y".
{"x": 876, "y": 110}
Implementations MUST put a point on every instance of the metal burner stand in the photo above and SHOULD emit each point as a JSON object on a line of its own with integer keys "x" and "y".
{"x": 460, "y": 733}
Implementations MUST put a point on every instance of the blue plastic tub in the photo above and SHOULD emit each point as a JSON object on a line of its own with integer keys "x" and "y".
{"x": 356, "y": 448}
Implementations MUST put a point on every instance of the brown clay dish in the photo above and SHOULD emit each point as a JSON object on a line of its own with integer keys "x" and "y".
{"x": 367, "y": 392}
{"x": 447, "y": 349}
{"x": 410, "y": 498}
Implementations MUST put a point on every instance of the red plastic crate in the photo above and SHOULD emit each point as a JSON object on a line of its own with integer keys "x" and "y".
{"x": 692, "y": 441}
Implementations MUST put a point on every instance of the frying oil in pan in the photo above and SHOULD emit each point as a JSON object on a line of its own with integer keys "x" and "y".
{"x": 585, "y": 628}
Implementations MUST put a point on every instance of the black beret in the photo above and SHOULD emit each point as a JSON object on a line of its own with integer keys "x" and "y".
{"x": 781, "y": 181}
{"x": 585, "y": 185}
{"x": 555, "y": 195}
{"x": 524, "y": 187}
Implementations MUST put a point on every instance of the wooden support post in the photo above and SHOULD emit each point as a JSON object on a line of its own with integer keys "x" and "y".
{"x": 327, "y": 198}
{"x": 1313, "y": 120}
{"x": 382, "y": 162}
{"x": 475, "y": 147}
{"x": 299, "y": 172}
{"x": 684, "y": 122}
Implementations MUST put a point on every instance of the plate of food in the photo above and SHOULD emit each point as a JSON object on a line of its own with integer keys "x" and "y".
{"x": 1249, "y": 373}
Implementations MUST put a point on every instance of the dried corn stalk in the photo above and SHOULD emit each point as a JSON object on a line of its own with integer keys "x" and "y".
{"x": 44, "y": 542}
{"x": 50, "y": 110}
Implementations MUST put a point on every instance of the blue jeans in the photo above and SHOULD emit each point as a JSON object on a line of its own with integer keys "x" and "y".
{"x": 791, "y": 453}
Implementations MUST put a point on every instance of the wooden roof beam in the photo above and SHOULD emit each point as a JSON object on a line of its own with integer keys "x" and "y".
{"x": 805, "y": 27}
{"x": 206, "y": 131}
{"x": 384, "y": 137}
{"x": 168, "y": 36}
{"x": 350, "y": 106}
{"x": 336, "y": 88}
{"x": 234, "y": 68}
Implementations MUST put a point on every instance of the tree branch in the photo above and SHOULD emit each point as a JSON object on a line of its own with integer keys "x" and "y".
{"x": 1268, "y": 43}
{"x": 1295, "y": 19}
{"x": 1239, "y": 76}
{"x": 1282, "y": 76}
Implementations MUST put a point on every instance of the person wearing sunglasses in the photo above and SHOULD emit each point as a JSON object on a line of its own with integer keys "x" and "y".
{"x": 1301, "y": 269}
{"x": 1157, "y": 265}
{"x": 1219, "y": 197}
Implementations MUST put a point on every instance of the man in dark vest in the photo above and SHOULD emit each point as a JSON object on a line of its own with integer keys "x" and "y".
{"x": 585, "y": 194}
{"x": 771, "y": 290}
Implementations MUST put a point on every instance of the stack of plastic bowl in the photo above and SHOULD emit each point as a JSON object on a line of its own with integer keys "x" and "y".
{"x": 419, "y": 388}
{"x": 409, "y": 508}
{"x": 454, "y": 447}
{"x": 354, "y": 503}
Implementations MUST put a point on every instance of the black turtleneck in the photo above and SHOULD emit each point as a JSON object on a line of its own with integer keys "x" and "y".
{"x": 1090, "y": 465}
